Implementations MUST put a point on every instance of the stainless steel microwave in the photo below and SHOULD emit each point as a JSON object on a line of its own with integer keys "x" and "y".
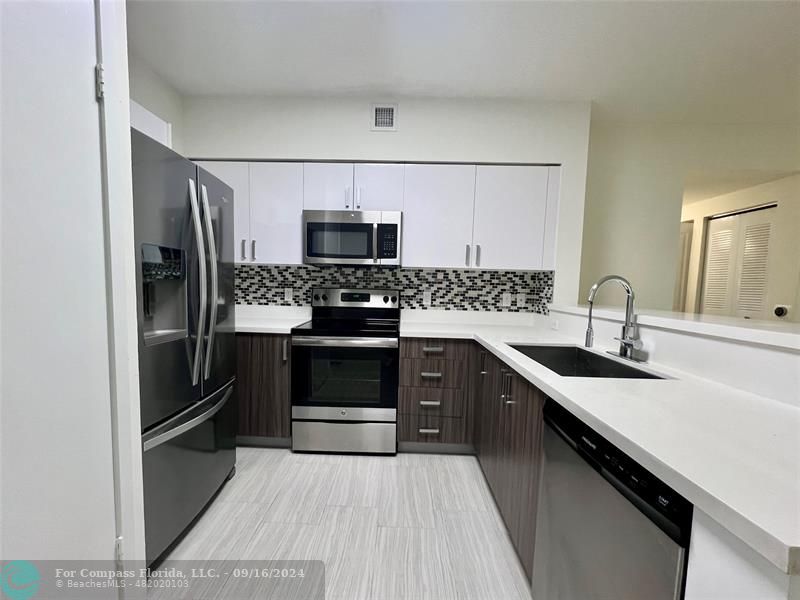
{"x": 344, "y": 237}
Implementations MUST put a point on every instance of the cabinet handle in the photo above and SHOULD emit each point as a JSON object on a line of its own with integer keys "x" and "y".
{"x": 433, "y": 349}
{"x": 466, "y": 257}
{"x": 253, "y": 249}
{"x": 478, "y": 255}
{"x": 483, "y": 363}
{"x": 285, "y": 350}
{"x": 358, "y": 198}
{"x": 426, "y": 403}
{"x": 428, "y": 431}
{"x": 427, "y": 375}
{"x": 347, "y": 191}
{"x": 244, "y": 252}
{"x": 508, "y": 397}
{"x": 504, "y": 375}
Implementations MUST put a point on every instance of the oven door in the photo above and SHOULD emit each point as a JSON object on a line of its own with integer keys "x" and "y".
{"x": 340, "y": 237}
{"x": 351, "y": 379}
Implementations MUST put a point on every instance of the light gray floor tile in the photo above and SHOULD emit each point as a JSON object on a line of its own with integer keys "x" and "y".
{"x": 357, "y": 481}
{"x": 484, "y": 562}
{"x": 300, "y": 490}
{"x": 410, "y": 527}
{"x": 405, "y": 498}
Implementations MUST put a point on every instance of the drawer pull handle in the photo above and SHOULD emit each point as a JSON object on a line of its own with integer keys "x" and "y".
{"x": 426, "y": 375}
{"x": 426, "y": 431}
{"x": 430, "y": 403}
{"x": 433, "y": 349}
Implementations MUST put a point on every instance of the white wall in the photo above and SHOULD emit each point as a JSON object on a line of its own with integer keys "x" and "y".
{"x": 635, "y": 188}
{"x": 428, "y": 130}
{"x": 121, "y": 285}
{"x": 56, "y": 439}
{"x": 783, "y": 270}
{"x": 155, "y": 94}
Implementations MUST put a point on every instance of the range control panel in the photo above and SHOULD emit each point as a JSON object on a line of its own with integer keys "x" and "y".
{"x": 387, "y": 240}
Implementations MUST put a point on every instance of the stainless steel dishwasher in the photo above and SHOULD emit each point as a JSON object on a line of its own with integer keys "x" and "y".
{"x": 606, "y": 528}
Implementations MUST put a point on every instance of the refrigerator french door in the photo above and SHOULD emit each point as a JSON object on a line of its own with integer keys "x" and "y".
{"x": 183, "y": 229}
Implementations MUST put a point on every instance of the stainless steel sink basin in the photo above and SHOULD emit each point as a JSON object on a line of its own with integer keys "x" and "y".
{"x": 572, "y": 361}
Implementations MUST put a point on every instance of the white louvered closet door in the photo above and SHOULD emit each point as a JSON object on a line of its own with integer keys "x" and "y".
{"x": 737, "y": 254}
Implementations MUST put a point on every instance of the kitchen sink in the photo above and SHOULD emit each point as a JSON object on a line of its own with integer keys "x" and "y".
{"x": 572, "y": 361}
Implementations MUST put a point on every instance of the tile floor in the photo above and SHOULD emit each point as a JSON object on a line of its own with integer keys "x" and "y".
{"x": 413, "y": 526}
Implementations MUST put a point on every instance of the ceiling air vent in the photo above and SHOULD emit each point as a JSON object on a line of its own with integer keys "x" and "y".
{"x": 384, "y": 117}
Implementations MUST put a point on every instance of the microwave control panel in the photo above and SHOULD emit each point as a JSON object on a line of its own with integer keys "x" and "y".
{"x": 387, "y": 240}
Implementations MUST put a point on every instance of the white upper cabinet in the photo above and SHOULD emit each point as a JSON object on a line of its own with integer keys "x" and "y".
{"x": 328, "y": 186}
{"x": 378, "y": 186}
{"x": 510, "y": 211}
{"x": 236, "y": 175}
{"x": 276, "y": 209}
{"x": 551, "y": 218}
{"x": 437, "y": 215}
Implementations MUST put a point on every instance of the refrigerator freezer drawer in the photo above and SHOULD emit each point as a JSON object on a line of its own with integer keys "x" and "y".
{"x": 185, "y": 462}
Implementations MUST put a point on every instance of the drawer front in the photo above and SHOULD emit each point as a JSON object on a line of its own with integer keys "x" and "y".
{"x": 440, "y": 402}
{"x": 434, "y": 348}
{"x": 431, "y": 429}
{"x": 428, "y": 372}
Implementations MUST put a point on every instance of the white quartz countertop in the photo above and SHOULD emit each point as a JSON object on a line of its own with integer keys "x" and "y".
{"x": 733, "y": 454}
{"x": 269, "y": 319}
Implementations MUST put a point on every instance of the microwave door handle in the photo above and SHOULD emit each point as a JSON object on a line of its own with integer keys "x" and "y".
{"x": 212, "y": 254}
{"x": 375, "y": 242}
{"x": 201, "y": 267}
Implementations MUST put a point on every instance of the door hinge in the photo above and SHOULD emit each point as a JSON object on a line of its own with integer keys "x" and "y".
{"x": 118, "y": 549}
{"x": 99, "y": 81}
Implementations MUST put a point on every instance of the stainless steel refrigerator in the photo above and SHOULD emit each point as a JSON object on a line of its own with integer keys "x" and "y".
{"x": 183, "y": 221}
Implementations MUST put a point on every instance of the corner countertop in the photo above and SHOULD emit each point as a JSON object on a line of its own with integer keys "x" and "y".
{"x": 270, "y": 319}
{"x": 733, "y": 454}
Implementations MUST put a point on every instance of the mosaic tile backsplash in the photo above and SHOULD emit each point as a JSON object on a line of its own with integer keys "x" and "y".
{"x": 451, "y": 289}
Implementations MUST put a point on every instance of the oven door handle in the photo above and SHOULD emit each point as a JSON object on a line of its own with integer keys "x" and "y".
{"x": 345, "y": 342}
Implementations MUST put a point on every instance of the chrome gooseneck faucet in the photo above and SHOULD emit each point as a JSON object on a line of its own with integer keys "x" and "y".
{"x": 629, "y": 340}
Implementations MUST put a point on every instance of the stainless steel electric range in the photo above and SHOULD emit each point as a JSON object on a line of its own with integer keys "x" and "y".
{"x": 345, "y": 369}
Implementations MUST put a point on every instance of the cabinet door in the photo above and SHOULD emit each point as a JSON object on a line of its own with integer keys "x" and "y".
{"x": 437, "y": 215}
{"x": 510, "y": 208}
{"x": 515, "y": 437}
{"x": 378, "y": 186}
{"x": 328, "y": 186}
{"x": 551, "y": 218}
{"x": 263, "y": 381}
{"x": 236, "y": 175}
{"x": 490, "y": 423}
{"x": 276, "y": 211}
{"x": 530, "y": 465}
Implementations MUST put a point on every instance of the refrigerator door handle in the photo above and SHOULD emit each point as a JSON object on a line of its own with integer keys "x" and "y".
{"x": 201, "y": 263}
{"x": 162, "y": 438}
{"x": 212, "y": 255}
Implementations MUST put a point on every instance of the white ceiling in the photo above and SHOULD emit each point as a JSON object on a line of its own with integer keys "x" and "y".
{"x": 703, "y": 185}
{"x": 695, "y": 61}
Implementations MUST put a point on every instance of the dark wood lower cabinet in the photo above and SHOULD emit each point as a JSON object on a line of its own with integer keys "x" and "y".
{"x": 263, "y": 378}
{"x": 431, "y": 428}
{"x": 435, "y": 403}
{"x": 508, "y": 441}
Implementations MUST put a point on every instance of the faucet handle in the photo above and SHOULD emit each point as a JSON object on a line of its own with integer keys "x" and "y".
{"x": 634, "y": 343}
